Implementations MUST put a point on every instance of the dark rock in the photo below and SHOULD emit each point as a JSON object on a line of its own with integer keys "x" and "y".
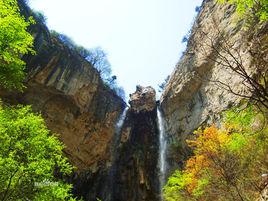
{"x": 136, "y": 177}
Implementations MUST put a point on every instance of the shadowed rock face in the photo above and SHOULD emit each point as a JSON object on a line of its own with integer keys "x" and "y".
{"x": 136, "y": 176}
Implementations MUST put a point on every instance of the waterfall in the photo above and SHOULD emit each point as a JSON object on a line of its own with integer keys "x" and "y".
{"x": 116, "y": 141}
{"x": 120, "y": 123}
{"x": 117, "y": 135}
{"x": 162, "y": 150}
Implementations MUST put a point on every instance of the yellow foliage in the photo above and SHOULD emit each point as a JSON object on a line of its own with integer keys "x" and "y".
{"x": 227, "y": 163}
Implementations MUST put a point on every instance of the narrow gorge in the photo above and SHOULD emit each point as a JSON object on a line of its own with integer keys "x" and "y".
{"x": 127, "y": 151}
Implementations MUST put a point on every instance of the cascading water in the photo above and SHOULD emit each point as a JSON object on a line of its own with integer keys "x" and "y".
{"x": 120, "y": 123}
{"x": 116, "y": 141}
{"x": 162, "y": 150}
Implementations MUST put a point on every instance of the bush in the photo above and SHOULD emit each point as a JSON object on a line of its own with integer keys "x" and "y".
{"x": 15, "y": 41}
{"x": 29, "y": 155}
{"x": 227, "y": 162}
{"x": 254, "y": 9}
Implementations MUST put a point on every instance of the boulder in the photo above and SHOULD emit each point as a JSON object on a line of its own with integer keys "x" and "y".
{"x": 143, "y": 100}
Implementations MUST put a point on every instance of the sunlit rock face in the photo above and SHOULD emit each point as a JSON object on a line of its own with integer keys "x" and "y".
{"x": 72, "y": 98}
{"x": 143, "y": 99}
{"x": 191, "y": 97}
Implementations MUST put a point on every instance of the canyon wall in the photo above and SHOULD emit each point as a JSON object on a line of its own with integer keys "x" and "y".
{"x": 198, "y": 89}
{"x": 71, "y": 97}
{"x": 83, "y": 111}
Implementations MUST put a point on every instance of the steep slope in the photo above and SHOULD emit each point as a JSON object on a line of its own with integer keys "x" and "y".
{"x": 136, "y": 177}
{"x": 193, "y": 95}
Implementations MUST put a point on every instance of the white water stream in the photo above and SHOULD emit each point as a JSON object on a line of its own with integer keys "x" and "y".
{"x": 120, "y": 123}
{"x": 116, "y": 142}
{"x": 162, "y": 150}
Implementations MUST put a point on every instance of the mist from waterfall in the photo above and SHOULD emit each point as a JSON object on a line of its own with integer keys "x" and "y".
{"x": 162, "y": 150}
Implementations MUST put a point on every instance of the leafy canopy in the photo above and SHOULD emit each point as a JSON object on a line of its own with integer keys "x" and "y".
{"x": 15, "y": 41}
{"x": 29, "y": 155}
{"x": 251, "y": 8}
{"x": 227, "y": 162}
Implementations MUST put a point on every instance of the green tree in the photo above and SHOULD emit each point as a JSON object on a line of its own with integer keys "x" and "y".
{"x": 251, "y": 8}
{"x": 29, "y": 155}
{"x": 227, "y": 163}
{"x": 15, "y": 41}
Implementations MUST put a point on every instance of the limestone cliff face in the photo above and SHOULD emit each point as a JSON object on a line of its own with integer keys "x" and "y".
{"x": 72, "y": 98}
{"x": 191, "y": 96}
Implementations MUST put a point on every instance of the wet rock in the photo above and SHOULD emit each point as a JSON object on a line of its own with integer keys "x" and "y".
{"x": 136, "y": 177}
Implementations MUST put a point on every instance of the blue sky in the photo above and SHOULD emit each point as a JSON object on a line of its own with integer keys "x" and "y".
{"x": 142, "y": 37}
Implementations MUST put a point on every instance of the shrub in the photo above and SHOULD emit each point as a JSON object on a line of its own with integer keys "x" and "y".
{"x": 227, "y": 162}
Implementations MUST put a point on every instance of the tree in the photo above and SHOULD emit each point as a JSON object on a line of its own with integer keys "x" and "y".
{"x": 15, "y": 41}
{"x": 95, "y": 56}
{"x": 98, "y": 58}
{"x": 227, "y": 162}
{"x": 197, "y": 9}
{"x": 29, "y": 154}
{"x": 250, "y": 9}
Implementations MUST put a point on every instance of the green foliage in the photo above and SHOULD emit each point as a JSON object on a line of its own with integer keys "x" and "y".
{"x": 251, "y": 8}
{"x": 173, "y": 189}
{"x": 240, "y": 118}
{"x": 227, "y": 162}
{"x": 15, "y": 41}
{"x": 29, "y": 155}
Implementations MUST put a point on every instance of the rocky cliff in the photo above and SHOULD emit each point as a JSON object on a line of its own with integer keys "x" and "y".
{"x": 72, "y": 98}
{"x": 198, "y": 89}
{"x": 136, "y": 177}
{"x": 122, "y": 165}
{"x": 133, "y": 174}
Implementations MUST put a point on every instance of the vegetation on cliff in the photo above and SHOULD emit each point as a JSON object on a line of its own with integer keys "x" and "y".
{"x": 228, "y": 161}
{"x": 254, "y": 9}
{"x": 98, "y": 58}
{"x": 29, "y": 153}
{"x": 14, "y": 42}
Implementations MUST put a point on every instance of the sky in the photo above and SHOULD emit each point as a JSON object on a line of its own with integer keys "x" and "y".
{"x": 143, "y": 38}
